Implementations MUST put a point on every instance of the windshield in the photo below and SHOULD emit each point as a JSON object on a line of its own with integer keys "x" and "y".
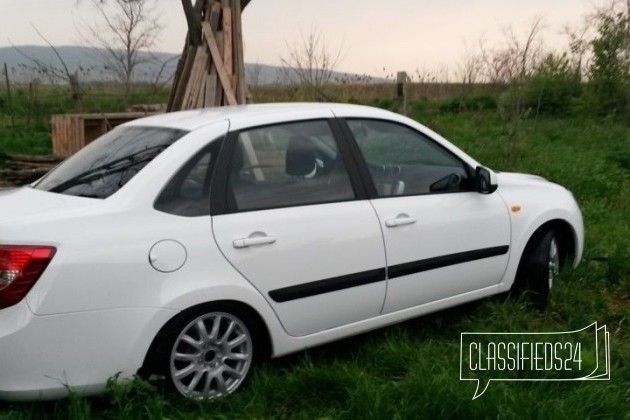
{"x": 108, "y": 163}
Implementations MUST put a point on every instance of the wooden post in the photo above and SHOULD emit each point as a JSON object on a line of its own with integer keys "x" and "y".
{"x": 9, "y": 100}
{"x": 401, "y": 90}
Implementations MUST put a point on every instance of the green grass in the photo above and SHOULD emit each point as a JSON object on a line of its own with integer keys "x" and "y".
{"x": 25, "y": 122}
{"x": 412, "y": 370}
{"x": 25, "y": 141}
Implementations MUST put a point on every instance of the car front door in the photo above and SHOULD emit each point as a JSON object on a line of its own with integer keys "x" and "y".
{"x": 298, "y": 227}
{"x": 442, "y": 239}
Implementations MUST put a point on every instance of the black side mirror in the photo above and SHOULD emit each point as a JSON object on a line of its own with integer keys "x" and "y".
{"x": 485, "y": 182}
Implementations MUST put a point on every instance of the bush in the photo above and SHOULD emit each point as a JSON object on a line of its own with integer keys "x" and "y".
{"x": 458, "y": 104}
{"x": 554, "y": 87}
{"x": 388, "y": 104}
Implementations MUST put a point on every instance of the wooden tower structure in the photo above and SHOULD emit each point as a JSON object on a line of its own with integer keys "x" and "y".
{"x": 211, "y": 70}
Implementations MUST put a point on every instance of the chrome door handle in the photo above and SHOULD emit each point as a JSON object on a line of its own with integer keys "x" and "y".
{"x": 401, "y": 220}
{"x": 247, "y": 242}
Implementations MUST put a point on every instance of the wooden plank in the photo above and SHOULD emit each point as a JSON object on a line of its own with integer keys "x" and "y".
{"x": 250, "y": 154}
{"x": 215, "y": 15}
{"x": 198, "y": 70}
{"x": 70, "y": 135}
{"x": 76, "y": 135}
{"x": 55, "y": 130}
{"x": 228, "y": 32}
{"x": 182, "y": 77}
{"x": 239, "y": 62}
{"x": 201, "y": 91}
{"x": 218, "y": 63}
{"x": 58, "y": 148}
{"x": 219, "y": 99}
{"x": 177, "y": 78}
{"x": 189, "y": 83}
{"x": 211, "y": 90}
{"x": 35, "y": 159}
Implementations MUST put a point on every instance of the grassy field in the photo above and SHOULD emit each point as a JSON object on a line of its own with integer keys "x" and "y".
{"x": 412, "y": 370}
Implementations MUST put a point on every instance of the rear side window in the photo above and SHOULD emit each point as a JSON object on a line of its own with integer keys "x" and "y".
{"x": 287, "y": 165}
{"x": 108, "y": 163}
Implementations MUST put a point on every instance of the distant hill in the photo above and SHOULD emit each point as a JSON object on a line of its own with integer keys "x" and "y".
{"x": 93, "y": 69}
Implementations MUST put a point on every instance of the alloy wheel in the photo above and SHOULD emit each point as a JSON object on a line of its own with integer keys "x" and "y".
{"x": 211, "y": 356}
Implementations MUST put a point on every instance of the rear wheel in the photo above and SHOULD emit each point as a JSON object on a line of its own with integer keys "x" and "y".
{"x": 207, "y": 353}
{"x": 539, "y": 268}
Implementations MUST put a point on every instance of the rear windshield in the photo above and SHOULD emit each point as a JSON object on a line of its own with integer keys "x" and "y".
{"x": 108, "y": 163}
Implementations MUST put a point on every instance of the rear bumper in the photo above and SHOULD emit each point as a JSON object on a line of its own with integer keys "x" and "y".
{"x": 42, "y": 357}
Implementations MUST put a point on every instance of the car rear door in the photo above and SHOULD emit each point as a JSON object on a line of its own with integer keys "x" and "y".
{"x": 296, "y": 223}
{"x": 442, "y": 239}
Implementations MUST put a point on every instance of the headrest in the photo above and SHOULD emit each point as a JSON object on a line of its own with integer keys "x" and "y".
{"x": 301, "y": 158}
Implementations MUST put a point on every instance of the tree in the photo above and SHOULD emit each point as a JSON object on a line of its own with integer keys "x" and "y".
{"x": 55, "y": 73}
{"x": 609, "y": 71}
{"x": 514, "y": 61}
{"x": 126, "y": 28}
{"x": 554, "y": 86}
{"x": 310, "y": 61}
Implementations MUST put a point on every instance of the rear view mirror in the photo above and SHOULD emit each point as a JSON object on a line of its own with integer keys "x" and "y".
{"x": 485, "y": 181}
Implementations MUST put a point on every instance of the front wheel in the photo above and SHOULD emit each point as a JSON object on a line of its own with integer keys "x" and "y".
{"x": 539, "y": 269}
{"x": 209, "y": 354}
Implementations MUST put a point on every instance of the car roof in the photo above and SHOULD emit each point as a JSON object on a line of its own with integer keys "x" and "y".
{"x": 192, "y": 120}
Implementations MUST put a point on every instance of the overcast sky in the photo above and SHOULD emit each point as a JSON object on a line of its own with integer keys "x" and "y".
{"x": 375, "y": 34}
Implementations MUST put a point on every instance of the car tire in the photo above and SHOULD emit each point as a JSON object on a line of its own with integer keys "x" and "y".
{"x": 208, "y": 352}
{"x": 539, "y": 268}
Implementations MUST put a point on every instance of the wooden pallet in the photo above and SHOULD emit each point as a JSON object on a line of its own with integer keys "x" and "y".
{"x": 72, "y": 132}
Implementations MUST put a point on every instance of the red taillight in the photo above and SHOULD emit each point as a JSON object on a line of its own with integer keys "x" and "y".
{"x": 20, "y": 267}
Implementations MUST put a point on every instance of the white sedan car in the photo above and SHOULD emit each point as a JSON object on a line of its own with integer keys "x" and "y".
{"x": 192, "y": 244}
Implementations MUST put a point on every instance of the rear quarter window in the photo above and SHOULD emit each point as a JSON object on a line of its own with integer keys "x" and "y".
{"x": 108, "y": 163}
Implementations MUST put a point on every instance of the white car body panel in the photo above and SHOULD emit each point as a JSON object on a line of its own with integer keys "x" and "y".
{"x": 443, "y": 224}
{"x": 44, "y": 374}
{"x": 540, "y": 202}
{"x": 312, "y": 243}
{"x": 98, "y": 306}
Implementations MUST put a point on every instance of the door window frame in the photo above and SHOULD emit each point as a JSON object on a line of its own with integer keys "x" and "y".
{"x": 363, "y": 167}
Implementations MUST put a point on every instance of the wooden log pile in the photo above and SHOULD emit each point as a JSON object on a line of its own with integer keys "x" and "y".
{"x": 211, "y": 70}
{"x": 18, "y": 170}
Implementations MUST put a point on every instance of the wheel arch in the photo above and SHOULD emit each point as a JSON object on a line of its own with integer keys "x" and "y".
{"x": 262, "y": 332}
{"x": 566, "y": 235}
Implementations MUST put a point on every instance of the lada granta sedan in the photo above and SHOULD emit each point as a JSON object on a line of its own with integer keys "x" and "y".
{"x": 189, "y": 245}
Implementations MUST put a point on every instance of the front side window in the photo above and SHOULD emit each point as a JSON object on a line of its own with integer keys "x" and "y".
{"x": 288, "y": 165}
{"x": 402, "y": 161}
{"x": 104, "y": 166}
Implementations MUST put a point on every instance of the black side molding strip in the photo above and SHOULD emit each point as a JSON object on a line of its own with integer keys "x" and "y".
{"x": 328, "y": 285}
{"x": 444, "y": 261}
{"x": 334, "y": 284}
